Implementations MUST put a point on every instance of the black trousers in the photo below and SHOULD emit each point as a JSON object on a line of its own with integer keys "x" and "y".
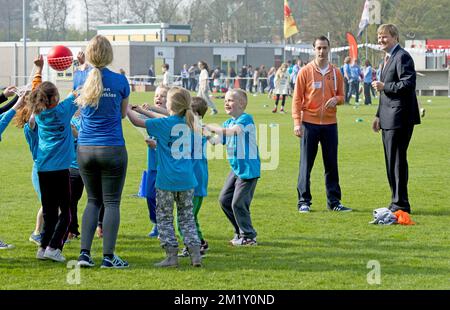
{"x": 76, "y": 189}
{"x": 346, "y": 91}
{"x": 395, "y": 143}
{"x": 185, "y": 83}
{"x": 367, "y": 98}
{"x": 55, "y": 197}
{"x": 327, "y": 135}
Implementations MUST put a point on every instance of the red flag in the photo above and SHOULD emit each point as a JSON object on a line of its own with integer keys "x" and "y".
{"x": 353, "y": 52}
{"x": 290, "y": 27}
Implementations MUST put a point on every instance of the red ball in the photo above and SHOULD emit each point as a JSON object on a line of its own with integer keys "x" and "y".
{"x": 60, "y": 58}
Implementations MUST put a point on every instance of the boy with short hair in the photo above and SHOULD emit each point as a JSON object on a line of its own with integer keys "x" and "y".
{"x": 239, "y": 135}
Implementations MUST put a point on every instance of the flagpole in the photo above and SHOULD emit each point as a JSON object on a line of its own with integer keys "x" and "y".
{"x": 367, "y": 30}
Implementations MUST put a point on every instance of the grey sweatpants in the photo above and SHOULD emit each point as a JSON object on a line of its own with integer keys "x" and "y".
{"x": 235, "y": 199}
{"x": 103, "y": 170}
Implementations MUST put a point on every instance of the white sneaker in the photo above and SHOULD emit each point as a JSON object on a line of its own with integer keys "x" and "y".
{"x": 5, "y": 246}
{"x": 55, "y": 255}
{"x": 40, "y": 254}
{"x": 235, "y": 238}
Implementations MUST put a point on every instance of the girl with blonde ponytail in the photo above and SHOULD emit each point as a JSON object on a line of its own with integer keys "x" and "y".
{"x": 175, "y": 180}
{"x": 102, "y": 156}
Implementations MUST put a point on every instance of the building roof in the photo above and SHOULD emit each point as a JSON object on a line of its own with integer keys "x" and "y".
{"x": 143, "y": 26}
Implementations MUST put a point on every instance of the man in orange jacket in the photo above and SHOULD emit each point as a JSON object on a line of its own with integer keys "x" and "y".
{"x": 319, "y": 89}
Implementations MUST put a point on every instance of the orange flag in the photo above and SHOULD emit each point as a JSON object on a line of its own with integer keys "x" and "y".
{"x": 353, "y": 52}
{"x": 290, "y": 27}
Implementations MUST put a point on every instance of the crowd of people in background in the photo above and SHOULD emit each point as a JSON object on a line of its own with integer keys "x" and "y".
{"x": 262, "y": 80}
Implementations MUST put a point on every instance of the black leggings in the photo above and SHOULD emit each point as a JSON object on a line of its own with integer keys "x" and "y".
{"x": 283, "y": 101}
{"x": 55, "y": 197}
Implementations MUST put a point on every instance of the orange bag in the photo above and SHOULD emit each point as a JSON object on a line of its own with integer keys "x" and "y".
{"x": 403, "y": 218}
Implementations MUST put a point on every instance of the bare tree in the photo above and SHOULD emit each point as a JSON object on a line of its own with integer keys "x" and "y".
{"x": 165, "y": 11}
{"x": 108, "y": 11}
{"x": 52, "y": 15}
{"x": 141, "y": 9}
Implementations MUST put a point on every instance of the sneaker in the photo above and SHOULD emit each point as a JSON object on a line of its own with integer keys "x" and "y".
{"x": 40, "y": 254}
{"x": 35, "y": 238}
{"x": 304, "y": 209}
{"x": 55, "y": 255}
{"x": 204, "y": 247}
{"x": 5, "y": 246}
{"x": 244, "y": 242}
{"x": 340, "y": 208}
{"x": 235, "y": 238}
{"x": 154, "y": 233}
{"x": 274, "y": 110}
{"x": 184, "y": 253}
{"x": 116, "y": 262}
{"x": 282, "y": 111}
{"x": 85, "y": 260}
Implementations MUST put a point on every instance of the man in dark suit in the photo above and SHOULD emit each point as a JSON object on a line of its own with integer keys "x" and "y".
{"x": 397, "y": 113}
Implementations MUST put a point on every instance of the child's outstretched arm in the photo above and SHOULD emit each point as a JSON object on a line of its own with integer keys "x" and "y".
{"x": 227, "y": 132}
{"x": 147, "y": 113}
{"x": 134, "y": 118}
{"x": 37, "y": 79}
{"x": 155, "y": 109}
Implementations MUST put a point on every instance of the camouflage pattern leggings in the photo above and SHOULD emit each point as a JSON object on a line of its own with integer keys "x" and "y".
{"x": 164, "y": 217}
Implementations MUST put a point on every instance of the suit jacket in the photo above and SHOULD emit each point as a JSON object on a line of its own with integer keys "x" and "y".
{"x": 398, "y": 106}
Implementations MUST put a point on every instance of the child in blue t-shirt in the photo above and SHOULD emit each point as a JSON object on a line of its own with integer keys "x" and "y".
{"x": 175, "y": 180}
{"x": 25, "y": 120}
{"x": 5, "y": 119}
{"x": 239, "y": 136}
{"x": 53, "y": 158}
{"x": 159, "y": 107}
{"x": 200, "y": 165}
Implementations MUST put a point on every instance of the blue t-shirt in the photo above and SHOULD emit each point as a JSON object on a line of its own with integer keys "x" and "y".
{"x": 347, "y": 70}
{"x": 355, "y": 73}
{"x": 55, "y": 148}
{"x": 242, "y": 150}
{"x": 76, "y": 122}
{"x": 102, "y": 126}
{"x": 32, "y": 137}
{"x": 200, "y": 163}
{"x": 5, "y": 118}
{"x": 368, "y": 75}
{"x": 175, "y": 168}
{"x": 79, "y": 77}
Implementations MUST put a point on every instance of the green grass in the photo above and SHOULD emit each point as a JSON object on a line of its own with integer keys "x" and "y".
{"x": 320, "y": 250}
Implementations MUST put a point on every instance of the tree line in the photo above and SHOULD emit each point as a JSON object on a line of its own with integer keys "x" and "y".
{"x": 252, "y": 21}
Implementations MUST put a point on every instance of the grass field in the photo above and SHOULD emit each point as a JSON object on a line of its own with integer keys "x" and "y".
{"x": 320, "y": 250}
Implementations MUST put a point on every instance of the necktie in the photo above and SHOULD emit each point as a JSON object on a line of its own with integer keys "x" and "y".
{"x": 386, "y": 59}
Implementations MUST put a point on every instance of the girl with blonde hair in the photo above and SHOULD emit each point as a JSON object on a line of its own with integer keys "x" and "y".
{"x": 175, "y": 180}
{"x": 282, "y": 86}
{"x": 102, "y": 155}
